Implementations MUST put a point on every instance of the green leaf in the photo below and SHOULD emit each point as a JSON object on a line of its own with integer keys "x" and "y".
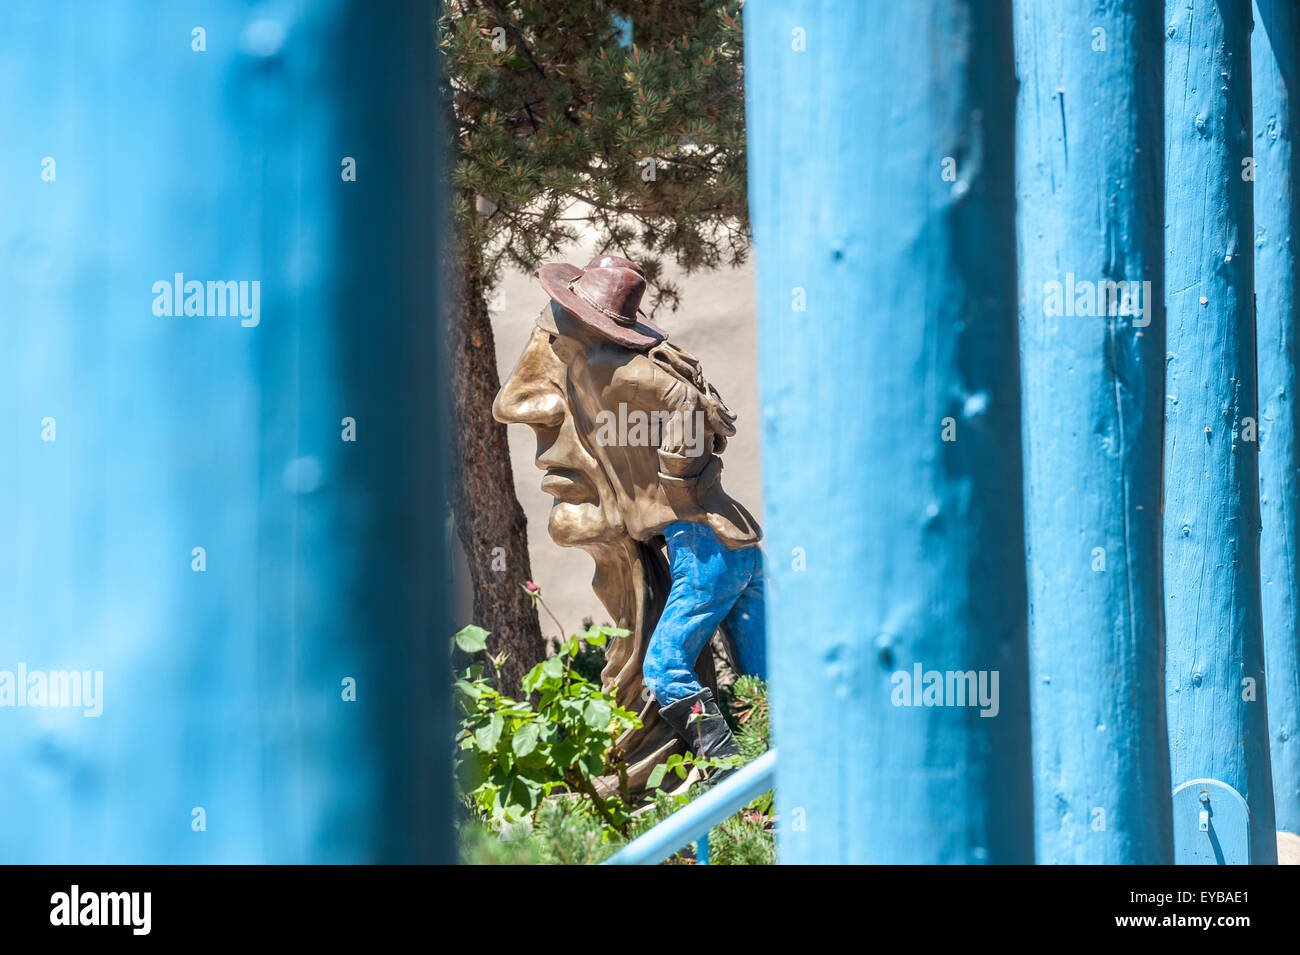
{"x": 533, "y": 679}
{"x": 656, "y": 776}
{"x": 473, "y": 771}
{"x": 569, "y": 710}
{"x": 597, "y": 714}
{"x": 525, "y": 739}
{"x": 524, "y": 793}
{"x": 472, "y": 639}
{"x": 564, "y": 753}
{"x": 488, "y": 736}
{"x": 553, "y": 667}
{"x": 467, "y": 689}
{"x": 538, "y": 762}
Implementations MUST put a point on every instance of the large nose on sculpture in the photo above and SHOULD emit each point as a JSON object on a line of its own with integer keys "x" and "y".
{"x": 532, "y": 394}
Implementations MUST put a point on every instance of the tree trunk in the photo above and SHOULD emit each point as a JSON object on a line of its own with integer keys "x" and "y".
{"x": 489, "y": 520}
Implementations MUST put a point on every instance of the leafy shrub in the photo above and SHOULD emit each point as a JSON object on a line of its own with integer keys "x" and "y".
{"x": 745, "y": 706}
{"x": 511, "y": 756}
{"x": 743, "y": 839}
{"x": 747, "y": 709}
{"x": 589, "y": 663}
{"x": 527, "y": 769}
{"x": 562, "y": 834}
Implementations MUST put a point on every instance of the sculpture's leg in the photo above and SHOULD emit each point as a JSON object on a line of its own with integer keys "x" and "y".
{"x": 706, "y": 580}
{"x": 747, "y": 620}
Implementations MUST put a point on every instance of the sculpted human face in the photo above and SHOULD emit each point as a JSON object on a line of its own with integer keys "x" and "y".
{"x": 537, "y": 394}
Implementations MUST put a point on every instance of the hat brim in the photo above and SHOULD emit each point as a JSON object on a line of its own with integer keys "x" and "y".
{"x": 555, "y": 279}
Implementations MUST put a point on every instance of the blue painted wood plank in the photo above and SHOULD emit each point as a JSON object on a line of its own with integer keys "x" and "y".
{"x": 1215, "y": 656}
{"x": 887, "y": 320}
{"x": 1275, "y": 82}
{"x": 1090, "y": 205}
{"x": 222, "y": 679}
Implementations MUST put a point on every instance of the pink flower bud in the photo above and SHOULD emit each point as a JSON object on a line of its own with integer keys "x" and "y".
{"x": 697, "y": 709}
{"x": 532, "y": 588}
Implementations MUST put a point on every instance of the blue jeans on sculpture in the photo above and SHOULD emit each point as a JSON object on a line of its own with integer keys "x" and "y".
{"x": 710, "y": 584}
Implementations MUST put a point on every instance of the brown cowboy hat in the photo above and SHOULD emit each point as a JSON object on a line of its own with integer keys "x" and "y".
{"x": 605, "y": 297}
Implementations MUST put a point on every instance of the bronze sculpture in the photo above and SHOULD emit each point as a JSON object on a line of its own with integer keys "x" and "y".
{"x": 628, "y": 433}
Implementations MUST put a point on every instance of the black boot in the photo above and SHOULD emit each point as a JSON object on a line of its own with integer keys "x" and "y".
{"x": 709, "y": 736}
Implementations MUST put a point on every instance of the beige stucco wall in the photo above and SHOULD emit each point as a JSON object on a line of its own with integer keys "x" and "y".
{"x": 715, "y": 322}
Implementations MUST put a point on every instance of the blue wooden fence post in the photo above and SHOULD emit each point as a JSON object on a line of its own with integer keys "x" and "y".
{"x": 1218, "y": 728}
{"x": 880, "y": 163}
{"x": 1275, "y": 82}
{"x": 184, "y": 516}
{"x": 1089, "y": 154}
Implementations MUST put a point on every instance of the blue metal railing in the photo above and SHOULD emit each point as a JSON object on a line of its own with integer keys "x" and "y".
{"x": 694, "y": 821}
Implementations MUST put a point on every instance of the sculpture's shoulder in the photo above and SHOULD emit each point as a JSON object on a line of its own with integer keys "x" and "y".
{"x": 624, "y": 374}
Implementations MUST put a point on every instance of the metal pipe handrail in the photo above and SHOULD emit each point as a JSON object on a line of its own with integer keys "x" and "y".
{"x": 696, "y": 819}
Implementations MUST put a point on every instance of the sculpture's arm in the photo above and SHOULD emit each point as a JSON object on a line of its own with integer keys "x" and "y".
{"x": 668, "y": 380}
{"x": 689, "y": 435}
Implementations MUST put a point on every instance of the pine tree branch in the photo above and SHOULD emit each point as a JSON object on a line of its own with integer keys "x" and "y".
{"x": 519, "y": 37}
